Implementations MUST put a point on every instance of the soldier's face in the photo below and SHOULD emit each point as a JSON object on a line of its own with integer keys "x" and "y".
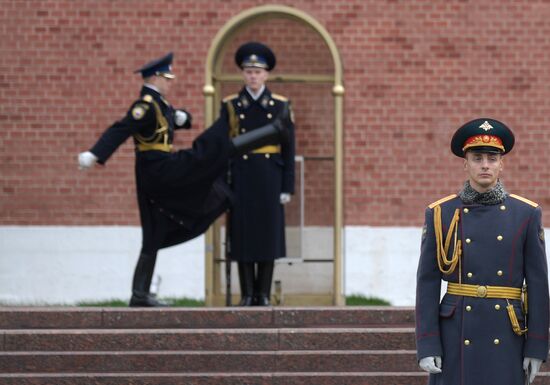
{"x": 255, "y": 78}
{"x": 164, "y": 84}
{"x": 483, "y": 169}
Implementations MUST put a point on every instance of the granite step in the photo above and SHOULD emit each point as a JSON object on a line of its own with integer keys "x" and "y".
{"x": 208, "y": 339}
{"x": 203, "y": 346}
{"x": 203, "y": 318}
{"x": 313, "y": 378}
{"x": 221, "y": 362}
{"x": 356, "y": 378}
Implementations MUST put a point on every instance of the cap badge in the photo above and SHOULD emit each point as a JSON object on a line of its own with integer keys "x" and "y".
{"x": 486, "y": 126}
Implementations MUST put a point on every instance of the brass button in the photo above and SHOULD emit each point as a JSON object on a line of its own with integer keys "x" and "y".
{"x": 241, "y": 116}
{"x": 269, "y": 116}
{"x": 499, "y": 237}
{"x": 243, "y": 129}
{"x": 497, "y": 307}
{"x": 499, "y": 273}
{"x": 239, "y": 104}
{"x": 468, "y": 308}
{"x": 503, "y": 207}
{"x": 468, "y": 240}
{"x": 466, "y": 342}
{"x": 466, "y": 210}
{"x": 245, "y": 157}
{"x": 267, "y": 156}
{"x": 496, "y": 341}
{"x": 271, "y": 103}
{"x": 470, "y": 275}
{"x": 482, "y": 291}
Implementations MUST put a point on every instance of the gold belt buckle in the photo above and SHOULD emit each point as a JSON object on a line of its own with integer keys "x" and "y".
{"x": 482, "y": 291}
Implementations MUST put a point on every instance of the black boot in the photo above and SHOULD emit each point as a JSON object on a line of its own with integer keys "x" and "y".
{"x": 265, "y": 275}
{"x": 142, "y": 283}
{"x": 246, "y": 278}
{"x": 272, "y": 133}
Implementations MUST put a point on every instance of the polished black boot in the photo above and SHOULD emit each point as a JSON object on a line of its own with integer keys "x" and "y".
{"x": 246, "y": 279}
{"x": 272, "y": 133}
{"x": 263, "y": 283}
{"x": 142, "y": 283}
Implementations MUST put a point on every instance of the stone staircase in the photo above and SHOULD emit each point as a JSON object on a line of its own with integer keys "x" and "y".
{"x": 206, "y": 346}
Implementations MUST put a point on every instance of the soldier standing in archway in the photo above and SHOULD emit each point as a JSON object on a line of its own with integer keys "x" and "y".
{"x": 262, "y": 180}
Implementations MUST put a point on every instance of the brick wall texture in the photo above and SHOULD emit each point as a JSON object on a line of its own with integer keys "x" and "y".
{"x": 414, "y": 71}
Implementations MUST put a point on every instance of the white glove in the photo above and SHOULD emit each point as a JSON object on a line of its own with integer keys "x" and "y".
{"x": 285, "y": 198}
{"x": 180, "y": 117}
{"x": 431, "y": 364}
{"x": 531, "y": 366}
{"x": 86, "y": 160}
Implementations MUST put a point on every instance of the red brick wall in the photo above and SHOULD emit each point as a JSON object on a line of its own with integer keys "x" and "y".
{"x": 413, "y": 71}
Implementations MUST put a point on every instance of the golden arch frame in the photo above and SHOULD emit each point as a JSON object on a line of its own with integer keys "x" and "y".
{"x": 212, "y": 67}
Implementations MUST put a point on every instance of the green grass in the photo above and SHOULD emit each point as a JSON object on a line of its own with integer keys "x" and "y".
{"x": 179, "y": 302}
{"x": 111, "y": 303}
{"x": 352, "y": 300}
{"x": 359, "y": 300}
{"x": 185, "y": 302}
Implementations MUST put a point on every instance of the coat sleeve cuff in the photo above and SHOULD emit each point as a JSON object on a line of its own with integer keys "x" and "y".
{"x": 428, "y": 347}
{"x": 536, "y": 348}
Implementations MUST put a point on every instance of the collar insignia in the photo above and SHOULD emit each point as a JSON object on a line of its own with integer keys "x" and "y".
{"x": 245, "y": 102}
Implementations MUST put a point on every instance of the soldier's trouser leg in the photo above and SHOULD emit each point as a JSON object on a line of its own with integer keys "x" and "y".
{"x": 263, "y": 283}
{"x": 141, "y": 284}
{"x": 246, "y": 278}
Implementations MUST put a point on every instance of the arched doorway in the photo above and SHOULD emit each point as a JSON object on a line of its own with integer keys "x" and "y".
{"x": 317, "y": 60}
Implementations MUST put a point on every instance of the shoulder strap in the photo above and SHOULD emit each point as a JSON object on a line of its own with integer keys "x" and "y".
{"x": 442, "y": 200}
{"x": 279, "y": 97}
{"x": 525, "y": 200}
{"x": 230, "y": 97}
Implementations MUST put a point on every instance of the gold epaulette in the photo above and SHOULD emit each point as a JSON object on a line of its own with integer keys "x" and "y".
{"x": 442, "y": 200}
{"x": 147, "y": 98}
{"x": 525, "y": 200}
{"x": 279, "y": 97}
{"x": 230, "y": 97}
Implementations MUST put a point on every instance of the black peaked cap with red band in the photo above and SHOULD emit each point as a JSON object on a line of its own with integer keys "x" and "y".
{"x": 482, "y": 135}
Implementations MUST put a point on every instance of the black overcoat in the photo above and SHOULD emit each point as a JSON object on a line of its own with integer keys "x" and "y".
{"x": 257, "y": 180}
{"x": 179, "y": 193}
{"x": 503, "y": 245}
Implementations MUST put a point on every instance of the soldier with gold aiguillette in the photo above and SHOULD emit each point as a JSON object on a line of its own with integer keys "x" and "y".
{"x": 179, "y": 193}
{"x": 491, "y": 327}
{"x": 262, "y": 180}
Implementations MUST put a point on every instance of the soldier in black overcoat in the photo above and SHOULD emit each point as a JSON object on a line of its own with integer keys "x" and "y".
{"x": 262, "y": 180}
{"x": 179, "y": 193}
{"x": 491, "y": 326}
